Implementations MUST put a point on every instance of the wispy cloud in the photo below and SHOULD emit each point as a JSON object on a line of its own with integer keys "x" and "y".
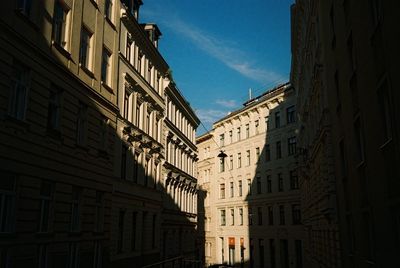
{"x": 223, "y": 50}
{"x": 209, "y": 116}
{"x": 227, "y": 103}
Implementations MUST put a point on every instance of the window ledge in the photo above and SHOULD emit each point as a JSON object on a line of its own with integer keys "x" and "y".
{"x": 54, "y": 133}
{"x": 86, "y": 70}
{"x": 386, "y": 144}
{"x": 60, "y": 49}
{"x": 110, "y": 22}
{"x": 16, "y": 123}
{"x": 26, "y": 18}
{"x": 94, "y": 4}
{"x": 107, "y": 87}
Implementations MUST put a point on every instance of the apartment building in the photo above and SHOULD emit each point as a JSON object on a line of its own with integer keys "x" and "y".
{"x": 344, "y": 71}
{"x": 179, "y": 226}
{"x": 82, "y": 108}
{"x": 253, "y": 211}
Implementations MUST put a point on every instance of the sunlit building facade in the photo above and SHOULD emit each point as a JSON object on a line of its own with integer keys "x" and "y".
{"x": 252, "y": 204}
{"x": 83, "y": 165}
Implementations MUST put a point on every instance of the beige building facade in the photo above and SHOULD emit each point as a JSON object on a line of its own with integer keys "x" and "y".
{"x": 252, "y": 198}
{"x": 83, "y": 138}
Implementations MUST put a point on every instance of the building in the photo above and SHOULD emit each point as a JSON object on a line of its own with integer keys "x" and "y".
{"x": 344, "y": 69}
{"x": 252, "y": 204}
{"x": 83, "y": 141}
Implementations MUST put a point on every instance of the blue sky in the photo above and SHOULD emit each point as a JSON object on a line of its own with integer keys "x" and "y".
{"x": 218, "y": 49}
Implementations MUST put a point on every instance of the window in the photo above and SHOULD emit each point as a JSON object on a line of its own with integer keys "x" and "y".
{"x": 284, "y": 252}
{"x": 240, "y": 186}
{"x": 280, "y": 182}
{"x": 247, "y": 131}
{"x": 61, "y": 24}
{"x": 73, "y": 258}
{"x": 239, "y": 160}
{"x": 7, "y": 202}
{"x": 266, "y": 123}
{"x": 294, "y": 180}
{"x": 85, "y": 54}
{"x": 299, "y": 253}
{"x": 351, "y": 52}
{"x": 124, "y": 152}
{"x": 230, "y": 136}
{"x": 278, "y": 150}
{"x": 99, "y": 211}
{"x": 256, "y": 126}
{"x": 290, "y": 115}
{"x": 98, "y": 256}
{"x": 250, "y": 215}
{"x": 267, "y": 153}
{"x": 221, "y": 164}
{"x": 376, "y": 11}
{"x": 259, "y": 185}
{"x": 277, "y": 119}
{"x": 24, "y": 6}
{"x": 54, "y": 110}
{"x": 81, "y": 128}
{"x": 257, "y": 153}
{"x": 259, "y": 216}
{"x": 272, "y": 253}
{"x": 43, "y": 256}
{"x": 269, "y": 184}
{"x": 270, "y": 215}
{"x": 296, "y": 214}
{"x": 126, "y": 103}
{"x": 385, "y": 108}
{"x": 249, "y": 186}
{"x": 231, "y": 162}
{"x": 222, "y": 191}
{"x": 148, "y": 75}
{"x": 240, "y": 216}
{"x": 140, "y": 59}
{"x": 153, "y": 231}
{"x": 76, "y": 209}
{"x": 248, "y": 158}
{"x": 359, "y": 137}
{"x": 238, "y": 134}
{"x": 46, "y": 196}
{"x": 261, "y": 251}
{"x": 135, "y": 167}
{"x": 281, "y": 215}
{"x": 128, "y": 47}
{"x": 108, "y": 9}
{"x": 343, "y": 159}
{"x": 223, "y": 217}
{"x": 221, "y": 140}
{"x": 103, "y": 134}
{"x": 232, "y": 216}
{"x": 120, "y": 238}
{"x": 19, "y": 92}
{"x": 291, "y": 145}
{"x": 231, "y": 193}
{"x": 106, "y": 67}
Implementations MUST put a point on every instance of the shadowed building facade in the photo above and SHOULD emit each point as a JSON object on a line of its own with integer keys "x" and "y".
{"x": 252, "y": 204}
{"x": 83, "y": 167}
{"x": 344, "y": 70}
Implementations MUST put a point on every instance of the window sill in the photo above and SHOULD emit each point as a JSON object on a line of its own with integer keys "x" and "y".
{"x": 110, "y": 22}
{"x": 26, "y": 18}
{"x": 107, "y": 87}
{"x": 62, "y": 50}
{"x": 8, "y": 235}
{"x": 386, "y": 144}
{"x": 86, "y": 70}
{"x": 54, "y": 134}
{"x": 16, "y": 123}
{"x": 94, "y": 4}
{"x": 75, "y": 233}
{"x": 45, "y": 234}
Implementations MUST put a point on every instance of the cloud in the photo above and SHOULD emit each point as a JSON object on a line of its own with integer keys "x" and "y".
{"x": 227, "y": 103}
{"x": 222, "y": 50}
{"x": 209, "y": 116}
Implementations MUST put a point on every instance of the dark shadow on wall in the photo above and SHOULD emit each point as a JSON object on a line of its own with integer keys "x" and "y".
{"x": 66, "y": 200}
